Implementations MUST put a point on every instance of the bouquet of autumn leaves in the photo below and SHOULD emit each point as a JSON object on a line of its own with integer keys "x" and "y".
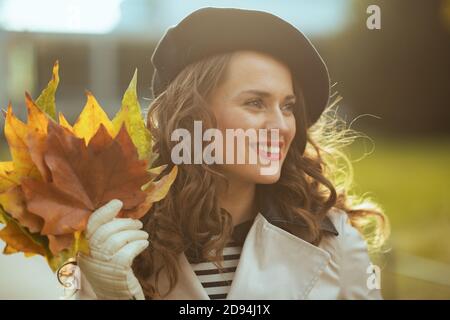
{"x": 59, "y": 174}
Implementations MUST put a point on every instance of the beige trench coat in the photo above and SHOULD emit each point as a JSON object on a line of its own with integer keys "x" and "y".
{"x": 276, "y": 264}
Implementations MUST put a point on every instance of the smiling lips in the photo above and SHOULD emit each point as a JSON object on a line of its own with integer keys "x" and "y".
{"x": 269, "y": 150}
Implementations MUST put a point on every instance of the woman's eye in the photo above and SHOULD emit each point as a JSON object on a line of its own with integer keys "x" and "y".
{"x": 289, "y": 108}
{"x": 254, "y": 103}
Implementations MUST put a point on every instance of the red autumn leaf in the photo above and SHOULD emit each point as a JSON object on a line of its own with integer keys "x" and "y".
{"x": 83, "y": 178}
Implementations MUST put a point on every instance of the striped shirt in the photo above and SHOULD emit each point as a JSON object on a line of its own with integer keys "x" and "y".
{"x": 217, "y": 282}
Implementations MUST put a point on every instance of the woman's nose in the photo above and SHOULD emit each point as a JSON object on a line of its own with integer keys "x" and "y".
{"x": 277, "y": 120}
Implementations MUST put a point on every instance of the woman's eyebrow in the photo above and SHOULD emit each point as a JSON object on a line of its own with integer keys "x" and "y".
{"x": 265, "y": 94}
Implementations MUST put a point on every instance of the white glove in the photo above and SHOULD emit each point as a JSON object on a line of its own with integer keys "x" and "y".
{"x": 113, "y": 244}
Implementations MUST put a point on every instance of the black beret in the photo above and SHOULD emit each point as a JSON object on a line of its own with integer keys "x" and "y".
{"x": 208, "y": 31}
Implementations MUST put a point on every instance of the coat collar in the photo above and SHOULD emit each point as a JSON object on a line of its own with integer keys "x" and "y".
{"x": 268, "y": 208}
{"x": 275, "y": 264}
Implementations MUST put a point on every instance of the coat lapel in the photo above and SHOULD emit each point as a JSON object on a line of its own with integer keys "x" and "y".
{"x": 276, "y": 264}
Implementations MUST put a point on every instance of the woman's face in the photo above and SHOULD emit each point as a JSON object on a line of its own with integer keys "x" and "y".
{"x": 257, "y": 93}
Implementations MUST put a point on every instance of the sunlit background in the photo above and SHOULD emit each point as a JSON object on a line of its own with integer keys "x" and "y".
{"x": 398, "y": 77}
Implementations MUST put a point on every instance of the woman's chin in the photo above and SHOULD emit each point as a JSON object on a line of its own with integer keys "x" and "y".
{"x": 256, "y": 174}
{"x": 269, "y": 178}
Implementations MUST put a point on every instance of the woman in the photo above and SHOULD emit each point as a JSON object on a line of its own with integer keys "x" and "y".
{"x": 227, "y": 229}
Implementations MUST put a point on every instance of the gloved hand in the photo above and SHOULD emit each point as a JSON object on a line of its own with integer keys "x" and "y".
{"x": 113, "y": 243}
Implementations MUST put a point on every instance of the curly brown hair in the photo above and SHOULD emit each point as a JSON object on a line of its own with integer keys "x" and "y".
{"x": 189, "y": 217}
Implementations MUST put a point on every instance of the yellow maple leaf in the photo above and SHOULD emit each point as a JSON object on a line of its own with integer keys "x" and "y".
{"x": 6, "y": 170}
{"x": 130, "y": 113}
{"x": 64, "y": 123}
{"x": 46, "y": 100}
{"x": 90, "y": 119}
{"x": 16, "y": 135}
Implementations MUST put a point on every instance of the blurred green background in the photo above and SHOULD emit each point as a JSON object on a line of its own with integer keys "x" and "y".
{"x": 399, "y": 76}
{"x": 411, "y": 181}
